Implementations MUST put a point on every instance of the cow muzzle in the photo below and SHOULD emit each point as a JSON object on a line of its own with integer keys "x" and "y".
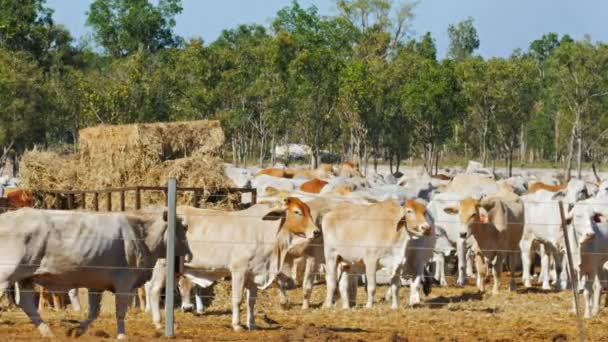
{"x": 464, "y": 235}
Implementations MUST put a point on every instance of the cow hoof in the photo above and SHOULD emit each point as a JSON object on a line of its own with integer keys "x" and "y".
{"x": 158, "y": 326}
{"x": 237, "y": 327}
{"x": 200, "y": 311}
{"x": 394, "y": 306}
{"x": 45, "y": 331}
{"x": 121, "y": 337}
{"x": 252, "y": 327}
{"x": 369, "y": 306}
{"x": 305, "y": 306}
{"x": 327, "y": 306}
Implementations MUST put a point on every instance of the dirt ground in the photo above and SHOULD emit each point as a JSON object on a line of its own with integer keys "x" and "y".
{"x": 448, "y": 314}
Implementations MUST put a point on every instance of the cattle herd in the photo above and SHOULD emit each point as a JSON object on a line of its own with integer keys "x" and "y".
{"x": 331, "y": 223}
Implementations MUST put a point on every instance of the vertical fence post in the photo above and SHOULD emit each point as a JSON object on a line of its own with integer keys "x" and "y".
{"x": 109, "y": 201}
{"x": 122, "y": 201}
{"x": 137, "y": 198}
{"x": 573, "y": 281}
{"x": 96, "y": 201}
{"x": 170, "y": 286}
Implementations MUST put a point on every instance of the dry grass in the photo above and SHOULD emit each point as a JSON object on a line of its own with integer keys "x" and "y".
{"x": 448, "y": 314}
{"x": 132, "y": 155}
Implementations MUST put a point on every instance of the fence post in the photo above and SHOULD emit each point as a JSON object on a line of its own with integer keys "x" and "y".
{"x": 137, "y": 198}
{"x": 122, "y": 201}
{"x": 96, "y": 201}
{"x": 109, "y": 201}
{"x": 170, "y": 286}
{"x": 581, "y": 328}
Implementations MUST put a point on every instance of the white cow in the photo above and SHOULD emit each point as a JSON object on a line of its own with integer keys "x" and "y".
{"x": 374, "y": 235}
{"x": 589, "y": 219}
{"x": 542, "y": 224}
{"x": 449, "y": 226}
{"x": 61, "y": 250}
{"x": 249, "y": 245}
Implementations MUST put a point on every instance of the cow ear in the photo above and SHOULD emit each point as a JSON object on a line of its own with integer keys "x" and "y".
{"x": 452, "y": 210}
{"x": 274, "y": 215}
{"x": 401, "y": 224}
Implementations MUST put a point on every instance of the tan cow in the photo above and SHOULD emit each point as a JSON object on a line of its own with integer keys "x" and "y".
{"x": 313, "y": 186}
{"x": 349, "y": 169}
{"x": 497, "y": 224}
{"x": 374, "y": 235}
{"x": 275, "y": 172}
{"x": 249, "y": 245}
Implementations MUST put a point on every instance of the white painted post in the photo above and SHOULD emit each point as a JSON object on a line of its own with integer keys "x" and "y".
{"x": 170, "y": 285}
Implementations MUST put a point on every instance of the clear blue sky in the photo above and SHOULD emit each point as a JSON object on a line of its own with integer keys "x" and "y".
{"x": 502, "y": 25}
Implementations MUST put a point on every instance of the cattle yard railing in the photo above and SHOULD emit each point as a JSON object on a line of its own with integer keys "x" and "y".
{"x": 66, "y": 199}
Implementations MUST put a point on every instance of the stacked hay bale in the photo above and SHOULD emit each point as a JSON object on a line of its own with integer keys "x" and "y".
{"x": 133, "y": 155}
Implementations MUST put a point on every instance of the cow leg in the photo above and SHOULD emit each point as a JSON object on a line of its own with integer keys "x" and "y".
{"x": 312, "y": 267}
{"x": 440, "y": 269}
{"x": 74, "y": 300}
{"x": 496, "y": 271}
{"x": 481, "y": 269}
{"x": 597, "y": 292}
{"x": 148, "y": 290}
{"x": 238, "y": 283}
{"x": 156, "y": 285}
{"x": 141, "y": 297}
{"x": 462, "y": 262}
{"x": 283, "y": 298}
{"x": 252, "y": 293}
{"x": 122, "y": 305}
{"x": 415, "y": 291}
{"x": 185, "y": 291}
{"x": 525, "y": 246}
{"x": 28, "y": 305}
{"x": 57, "y": 301}
{"x": 512, "y": 259}
{"x": 544, "y": 268}
{"x": 587, "y": 295}
{"x": 559, "y": 256}
{"x": 94, "y": 308}
{"x": 371, "y": 266}
{"x": 41, "y": 298}
{"x": 394, "y": 288}
{"x": 344, "y": 288}
{"x": 330, "y": 279}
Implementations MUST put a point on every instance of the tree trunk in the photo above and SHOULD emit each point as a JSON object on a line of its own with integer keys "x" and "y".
{"x": 568, "y": 167}
{"x": 390, "y": 163}
{"x": 398, "y": 162}
{"x": 262, "y": 143}
{"x": 234, "y": 159}
{"x": 579, "y": 156}
{"x": 510, "y": 173}
{"x": 436, "y": 163}
{"x": 556, "y": 137}
{"x": 273, "y": 156}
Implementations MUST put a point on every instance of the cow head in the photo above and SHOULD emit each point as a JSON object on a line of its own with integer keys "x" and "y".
{"x": 471, "y": 212}
{"x": 575, "y": 191}
{"x": 182, "y": 248}
{"x": 296, "y": 229}
{"x": 416, "y": 218}
{"x": 295, "y": 218}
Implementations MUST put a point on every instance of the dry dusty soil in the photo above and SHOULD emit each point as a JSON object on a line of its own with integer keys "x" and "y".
{"x": 448, "y": 314}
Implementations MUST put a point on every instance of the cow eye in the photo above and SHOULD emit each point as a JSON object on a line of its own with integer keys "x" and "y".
{"x": 409, "y": 211}
{"x": 297, "y": 212}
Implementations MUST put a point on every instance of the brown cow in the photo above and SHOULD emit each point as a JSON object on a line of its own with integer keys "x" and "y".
{"x": 313, "y": 186}
{"x": 534, "y": 187}
{"x": 19, "y": 198}
{"x": 276, "y": 173}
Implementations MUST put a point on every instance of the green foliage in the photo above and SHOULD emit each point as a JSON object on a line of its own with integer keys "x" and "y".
{"x": 463, "y": 39}
{"x": 358, "y": 84}
{"x": 122, "y": 27}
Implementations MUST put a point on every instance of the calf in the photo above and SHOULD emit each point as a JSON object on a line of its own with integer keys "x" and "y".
{"x": 496, "y": 223}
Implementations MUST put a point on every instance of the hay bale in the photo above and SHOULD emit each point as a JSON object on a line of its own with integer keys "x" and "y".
{"x": 133, "y": 155}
